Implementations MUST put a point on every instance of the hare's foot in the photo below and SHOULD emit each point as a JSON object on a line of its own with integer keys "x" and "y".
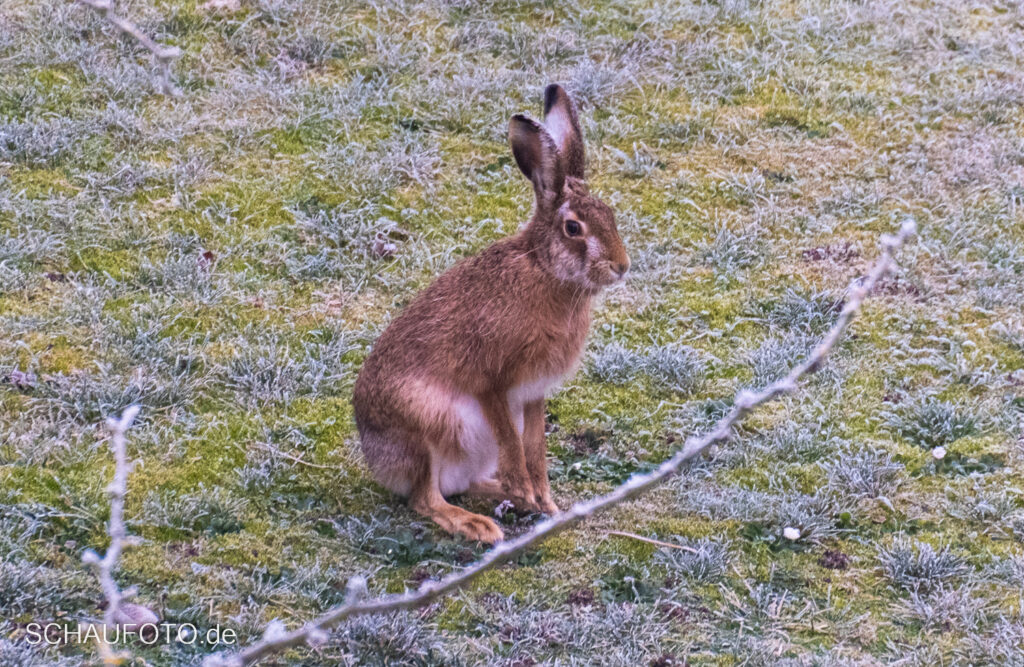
{"x": 518, "y": 488}
{"x": 522, "y": 499}
{"x": 548, "y": 506}
{"x": 542, "y": 500}
{"x": 472, "y": 526}
{"x": 427, "y": 500}
{"x": 539, "y": 490}
{"x": 542, "y": 491}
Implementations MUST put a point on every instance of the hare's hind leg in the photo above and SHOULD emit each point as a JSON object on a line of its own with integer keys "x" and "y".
{"x": 426, "y": 499}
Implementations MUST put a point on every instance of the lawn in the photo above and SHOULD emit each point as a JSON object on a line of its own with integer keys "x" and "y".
{"x": 226, "y": 257}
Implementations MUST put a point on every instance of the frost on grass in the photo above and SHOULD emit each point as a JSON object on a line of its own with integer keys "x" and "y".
{"x": 640, "y": 162}
{"x": 19, "y": 653}
{"x": 708, "y": 561}
{"x": 807, "y": 313}
{"x": 206, "y": 510}
{"x": 395, "y": 639}
{"x": 89, "y": 397}
{"x": 866, "y": 473}
{"x": 270, "y": 369}
{"x": 39, "y": 142}
{"x": 942, "y": 607}
{"x": 790, "y": 442}
{"x": 775, "y": 357}
{"x": 931, "y": 422}
{"x": 727, "y": 251}
{"x": 920, "y": 566}
{"x": 676, "y": 367}
{"x": 617, "y": 633}
{"x": 998, "y": 645}
{"x": 30, "y": 590}
{"x": 35, "y": 439}
{"x": 767, "y": 513}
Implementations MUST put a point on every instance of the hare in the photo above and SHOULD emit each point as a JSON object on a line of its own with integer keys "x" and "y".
{"x": 451, "y": 398}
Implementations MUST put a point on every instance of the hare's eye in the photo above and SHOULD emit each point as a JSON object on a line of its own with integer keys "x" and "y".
{"x": 573, "y": 228}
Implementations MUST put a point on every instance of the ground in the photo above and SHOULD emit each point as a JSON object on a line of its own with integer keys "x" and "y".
{"x": 226, "y": 258}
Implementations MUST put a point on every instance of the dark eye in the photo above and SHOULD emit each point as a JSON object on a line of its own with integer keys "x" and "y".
{"x": 573, "y": 228}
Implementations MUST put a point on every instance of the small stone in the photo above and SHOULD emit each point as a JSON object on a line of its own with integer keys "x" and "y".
{"x": 791, "y": 533}
{"x": 939, "y": 453}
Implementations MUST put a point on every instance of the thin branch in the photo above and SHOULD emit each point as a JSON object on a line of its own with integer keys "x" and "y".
{"x": 163, "y": 55}
{"x": 277, "y": 639}
{"x": 648, "y": 540}
{"x": 117, "y": 489}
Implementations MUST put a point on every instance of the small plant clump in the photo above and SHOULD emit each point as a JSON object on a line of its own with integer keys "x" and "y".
{"x": 930, "y": 422}
{"x": 920, "y": 566}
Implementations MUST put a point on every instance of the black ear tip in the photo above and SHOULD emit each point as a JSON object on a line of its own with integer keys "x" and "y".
{"x": 522, "y": 122}
{"x": 551, "y": 96}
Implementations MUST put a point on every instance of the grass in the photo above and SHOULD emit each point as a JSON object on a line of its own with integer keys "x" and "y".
{"x": 228, "y": 257}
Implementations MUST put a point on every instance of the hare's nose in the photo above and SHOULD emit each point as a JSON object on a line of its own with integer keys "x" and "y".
{"x": 621, "y": 268}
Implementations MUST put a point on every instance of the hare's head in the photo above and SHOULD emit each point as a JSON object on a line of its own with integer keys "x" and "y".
{"x": 573, "y": 232}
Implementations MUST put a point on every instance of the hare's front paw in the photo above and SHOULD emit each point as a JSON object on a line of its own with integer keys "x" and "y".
{"x": 520, "y": 492}
{"x": 547, "y": 506}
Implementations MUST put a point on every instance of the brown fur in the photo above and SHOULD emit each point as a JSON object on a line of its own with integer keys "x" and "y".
{"x": 516, "y": 312}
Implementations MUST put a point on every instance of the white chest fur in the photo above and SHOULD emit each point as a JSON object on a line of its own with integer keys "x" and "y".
{"x": 526, "y": 392}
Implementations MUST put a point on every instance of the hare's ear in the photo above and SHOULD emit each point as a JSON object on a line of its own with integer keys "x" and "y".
{"x": 537, "y": 157}
{"x": 563, "y": 125}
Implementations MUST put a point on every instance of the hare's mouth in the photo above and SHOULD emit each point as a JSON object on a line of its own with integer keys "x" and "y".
{"x": 608, "y": 275}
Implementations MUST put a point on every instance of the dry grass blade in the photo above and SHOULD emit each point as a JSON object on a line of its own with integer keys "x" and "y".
{"x": 648, "y": 540}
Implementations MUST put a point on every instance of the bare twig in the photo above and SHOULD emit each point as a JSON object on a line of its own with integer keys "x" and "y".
{"x": 163, "y": 55}
{"x": 117, "y": 489}
{"x": 277, "y": 639}
{"x": 648, "y": 540}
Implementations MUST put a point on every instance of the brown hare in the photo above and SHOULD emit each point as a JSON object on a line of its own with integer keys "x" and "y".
{"x": 451, "y": 399}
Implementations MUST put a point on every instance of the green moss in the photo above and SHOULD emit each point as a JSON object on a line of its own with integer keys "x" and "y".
{"x": 116, "y": 263}
{"x": 559, "y": 548}
{"x": 36, "y": 183}
{"x": 691, "y": 527}
{"x": 259, "y": 545}
{"x": 507, "y": 581}
{"x": 211, "y": 458}
{"x": 454, "y": 616}
{"x": 637, "y": 551}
